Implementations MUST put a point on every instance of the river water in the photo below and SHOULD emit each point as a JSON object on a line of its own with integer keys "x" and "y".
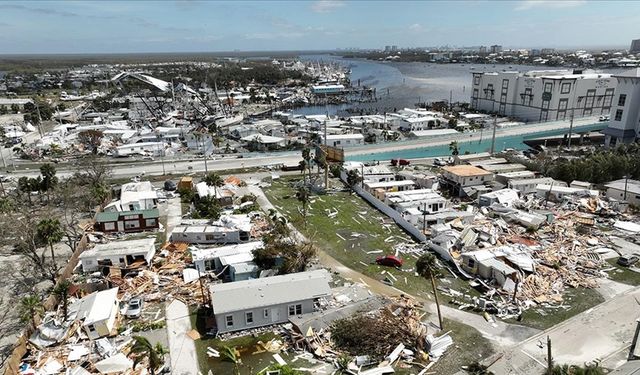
{"x": 401, "y": 84}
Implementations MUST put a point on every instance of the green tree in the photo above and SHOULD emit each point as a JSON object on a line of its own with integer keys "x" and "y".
{"x": 353, "y": 179}
{"x": 30, "y": 306}
{"x": 576, "y": 370}
{"x": 453, "y": 147}
{"x": 207, "y": 207}
{"x": 49, "y": 180}
{"x": 213, "y": 179}
{"x": 50, "y": 231}
{"x": 427, "y": 267}
{"x": 306, "y": 156}
{"x": 142, "y": 349}
{"x": 61, "y": 290}
{"x": 477, "y": 369}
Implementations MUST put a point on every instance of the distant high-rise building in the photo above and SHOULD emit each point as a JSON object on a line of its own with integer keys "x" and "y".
{"x": 496, "y": 48}
{"x": 535, "y": 52}
{"x": 394, "y": 48}
{"x": 547, "y": 51}
{"x": 635, "y": 46}
{"x": 482, "y": 50}
{"x": 387, "y": 48}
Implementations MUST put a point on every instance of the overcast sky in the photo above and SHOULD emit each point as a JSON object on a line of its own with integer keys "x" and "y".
{"x": 202, "y": 26}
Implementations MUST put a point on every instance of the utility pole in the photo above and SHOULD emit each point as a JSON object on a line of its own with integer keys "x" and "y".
{"x": 493, "y": 137}
{"x": 573, "y": 106}
{"x": 549, "y": 358}
{"x": 626, "y": 181}
{"x": 326, "y": 160}
{"x": 450, "y": 100}
{"x": 39, "y": 118}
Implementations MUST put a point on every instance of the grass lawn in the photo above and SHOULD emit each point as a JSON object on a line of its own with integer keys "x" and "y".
{"x": 623, "y": 274}
{"x": 246, "y": 346}
{"x": 355, "y": 236}
{"x": 578, "y": 300}
{"x": 359, "y": 228}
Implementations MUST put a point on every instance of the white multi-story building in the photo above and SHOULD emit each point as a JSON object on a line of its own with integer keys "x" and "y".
{"x": 543, "y": 95}
{"x": 624, "y": 126}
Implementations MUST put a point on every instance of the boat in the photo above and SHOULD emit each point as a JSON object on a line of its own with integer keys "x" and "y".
{"x": 226, "y": 121}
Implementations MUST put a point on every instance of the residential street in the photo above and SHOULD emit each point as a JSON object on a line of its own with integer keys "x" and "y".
{"x": 182, "y": 349}
{"x": 602, "y": 332}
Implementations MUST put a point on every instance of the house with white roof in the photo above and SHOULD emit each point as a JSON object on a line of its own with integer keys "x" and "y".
{"x": 267, "y": 301}
{"x": 226, "y": 230}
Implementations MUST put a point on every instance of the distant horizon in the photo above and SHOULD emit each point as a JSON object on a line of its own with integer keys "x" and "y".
{"x": 300, "y": 51}
{"x": 191, "y": 26}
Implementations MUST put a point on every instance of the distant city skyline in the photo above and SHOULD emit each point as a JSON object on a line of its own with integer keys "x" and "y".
{"x": 213, "y": 26}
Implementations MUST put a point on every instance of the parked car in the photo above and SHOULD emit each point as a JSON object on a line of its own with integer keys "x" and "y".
{"x": 134, "y": 308}
{"x": 389, "y": 261}
{"x": 170, "y": 185}
{"x": 396, "y": 162}
{"x": 439, "y": 162}
{"x": 604, "y": 118}
{"x": 628, "y": 261}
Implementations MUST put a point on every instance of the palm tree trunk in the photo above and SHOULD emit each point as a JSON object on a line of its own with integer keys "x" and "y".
{"x": 53, "y": 256}
{"x": 435, "y": 294}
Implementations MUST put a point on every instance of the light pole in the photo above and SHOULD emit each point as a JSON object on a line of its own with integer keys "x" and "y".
{"x": 626, "y": 181}
{"x": 573, "y": 108}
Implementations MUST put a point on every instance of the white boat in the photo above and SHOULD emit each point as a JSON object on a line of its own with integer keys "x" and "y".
{"x": 226, "y": 121}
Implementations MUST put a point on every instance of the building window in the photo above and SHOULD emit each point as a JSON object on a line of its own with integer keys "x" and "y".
{"x": 476, "y": 79}
{"x": 265, "y": 313}
{"x": 608, "y": 97}
{"x": 618, "y": 115}
{"x": 208, "y": 237}
{"x": 565, "y": 88}
{"x": 229, "y": 319}
{"x": 475, "y": 93}
{"x": 548, "y": 86}
{"x": 505, "y": 83}
{"x": 131, "y": 224}
{"x": 295, "y": 309}
{"x": 622, "y": 99}
{"x": 109, "y": 226}
{"x": 150, "y": 222}
{"x": 91, "y": 328}
{"x": 248, "y": 317}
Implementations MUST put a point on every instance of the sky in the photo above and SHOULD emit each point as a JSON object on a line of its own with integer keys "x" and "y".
{"x": 211, "y": 26}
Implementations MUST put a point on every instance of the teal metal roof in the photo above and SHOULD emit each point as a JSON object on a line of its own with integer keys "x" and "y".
{"x": 105, "y": 217}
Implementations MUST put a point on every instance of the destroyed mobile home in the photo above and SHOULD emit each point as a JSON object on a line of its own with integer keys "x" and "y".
{"x": 519, "y": 249}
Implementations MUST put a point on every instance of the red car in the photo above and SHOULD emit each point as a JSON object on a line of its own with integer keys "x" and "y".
{"x": 396, "y": 162}
{"x": 390, "y": 261}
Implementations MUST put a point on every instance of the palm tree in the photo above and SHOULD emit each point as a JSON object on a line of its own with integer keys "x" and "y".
{"x": 142, "y": 348}
{"x": 62, "y": 291}
{"x": 453, "y": 147}
{"x": 213, "y": 179}
{"x": 50, "y": 231}
{"x": 29, "y": 307}
{"x": 306, "y": 155}
{"x": 230, "y": 354}
{"x": 427, "y": 267}
{"x": 303, "y": 167}
{"x": 303, "y": 197}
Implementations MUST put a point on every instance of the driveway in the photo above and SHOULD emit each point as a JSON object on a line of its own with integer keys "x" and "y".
{"x": 182, "y": 349}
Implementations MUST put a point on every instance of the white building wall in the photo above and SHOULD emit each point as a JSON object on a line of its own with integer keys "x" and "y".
{"x": 543, "y": 96}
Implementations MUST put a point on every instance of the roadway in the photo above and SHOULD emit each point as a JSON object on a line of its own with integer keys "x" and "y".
{"x": 224, "y": 162}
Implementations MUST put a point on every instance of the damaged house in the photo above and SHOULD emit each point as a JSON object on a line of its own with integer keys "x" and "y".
{"x": 122, "y": 254}
{"x": 227, "y": 229}
{"x": 98, "y": 312}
